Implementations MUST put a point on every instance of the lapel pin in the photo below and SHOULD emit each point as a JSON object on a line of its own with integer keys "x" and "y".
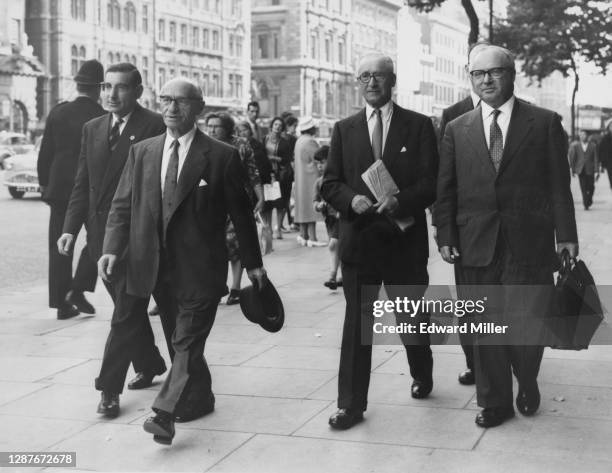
{"x": 132, "y": 137}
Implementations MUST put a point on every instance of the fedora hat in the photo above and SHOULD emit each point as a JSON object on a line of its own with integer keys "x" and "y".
{"x": 306, "y": 123}
{"x": 263, "y": 307}
{"x": 90, "y": 73}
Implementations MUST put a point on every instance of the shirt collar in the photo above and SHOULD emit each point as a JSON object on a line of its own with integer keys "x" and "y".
{"x": 505, "y": 108}
{"x": 475, "y": 99}
{"x": 125, "y": 118}
{"x": 386, "y": 110}
{"x": 184, "y": 140}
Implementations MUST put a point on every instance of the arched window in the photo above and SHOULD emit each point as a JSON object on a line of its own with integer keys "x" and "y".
{"x": 315, "y": 97}
{"x": 329, "y": 99}
{"x": 115, "y": 17}
{"x": 74, "y": 60}
{"x": 133, "y": 61}
{"x": 129, "y": 17}
{"x": 342, "y": 100}
{"x": 109, "y": 59}
{"x": 74, "y": 9}
{"x": 117, "y": 57}
{"x": 82, "y": 54}
{"x": 126, "y": 58}
{"x": 82, "y": 9}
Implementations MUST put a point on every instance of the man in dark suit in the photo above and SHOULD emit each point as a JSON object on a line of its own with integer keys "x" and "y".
{"x": 372, "y": 249}
{"x": 104, "y": 150}
{"x": 584, "y": 163}
{"x": 252, "y": 116}
{"x": 465, "y": 105}
{"x": 503, "y": 199}
{"x": 167, "y": 226}
{"x": 57, "y": 166}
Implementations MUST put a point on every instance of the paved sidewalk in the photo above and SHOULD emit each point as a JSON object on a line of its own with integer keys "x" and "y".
{"x": 275, "y": 392}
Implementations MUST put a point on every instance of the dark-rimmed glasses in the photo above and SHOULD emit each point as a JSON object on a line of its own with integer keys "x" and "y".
{"x": 182, "y": 102}
{"x": 365, "y": 77}
{"x": 494, "y": 73}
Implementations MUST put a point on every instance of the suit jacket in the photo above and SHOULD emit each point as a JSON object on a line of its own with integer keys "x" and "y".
{"x": 99, "y": 172}
{"x": 528, "y": 200}
{"x": 211, "y": 185}
{"x": 454, "y": 111}
{"x": 605, "y": 150}
{"x": 580, "y": 160}
{"x": 59, "y": 148}
{"x": 410, "y": 155}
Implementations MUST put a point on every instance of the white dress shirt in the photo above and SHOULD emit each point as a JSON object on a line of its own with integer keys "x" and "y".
{"x": 386, "y": 112}
{"x": 475, "y": 99}
{"x": 184, "y": 145}
{"x": 122, "y": 125}
{"x": 503, "y": 119}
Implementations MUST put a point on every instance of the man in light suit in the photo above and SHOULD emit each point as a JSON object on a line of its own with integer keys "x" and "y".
{"x": 167, "y": 225}
{"x": 104, "y": 149}
{"x": 504, "y": 199}
{"x": 584, "y": 163}
{"x": 372, "y": 250}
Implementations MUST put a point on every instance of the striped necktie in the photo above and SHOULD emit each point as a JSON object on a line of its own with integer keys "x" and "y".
{"x": 170, "y": 181}
{"x": 113, "y": 137}
{"x": 496, "y": 141}
{"x": 377, "y": 135}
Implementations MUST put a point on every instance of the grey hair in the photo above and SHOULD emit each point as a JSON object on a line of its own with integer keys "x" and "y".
{"x": 509, "y": 57}
{"x": 194, "y": 90}
{"x": 386, "y": 61}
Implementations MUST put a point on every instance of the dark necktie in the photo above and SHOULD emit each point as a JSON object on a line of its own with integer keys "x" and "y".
{"x": 113, "y": 137}
{"x": 496, "y": 141}
{"x": 170, "y": 181}
{"x": 377, "y": 135}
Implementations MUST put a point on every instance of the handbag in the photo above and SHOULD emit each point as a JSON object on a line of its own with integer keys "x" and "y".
{"x": 272, "y": 191}
{"x": 265, "y": 235}
{"x": 577, "y": 307}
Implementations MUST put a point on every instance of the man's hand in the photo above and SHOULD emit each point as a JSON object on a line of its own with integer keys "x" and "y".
{"x": 64, "y": 244}
{"x": 361, "y": 204}
{"x": 450, "y": 254}
{"x": 106, "y": 263}
{"x": 388, "y": 205}
{"x": 570, "y": 246}
{"x": 257, "y": 277}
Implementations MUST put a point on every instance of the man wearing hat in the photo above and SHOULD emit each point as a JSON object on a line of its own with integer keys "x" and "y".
{"x": 57, "y": 166}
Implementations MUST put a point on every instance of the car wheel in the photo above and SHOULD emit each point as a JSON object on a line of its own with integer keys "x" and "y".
{"x": 15, "y": 194}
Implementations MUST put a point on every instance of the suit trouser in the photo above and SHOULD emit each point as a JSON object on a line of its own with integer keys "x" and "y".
{"x": 60, "y": 267}
{"x": 467, "y": 345}
{"x": 609, "y": 171}
{"x": 189, "y": 378}
{"x": 587, "y": 187}
{"x": 130, "y": 339}
{"x": 355, "y": 356}
{"x": 495, "y": 364}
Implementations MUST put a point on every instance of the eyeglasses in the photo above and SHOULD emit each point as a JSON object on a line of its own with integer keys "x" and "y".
{"x": 365, "y": 77}
{"x": 182, "y": 102}
{"x": 494, "y": 73}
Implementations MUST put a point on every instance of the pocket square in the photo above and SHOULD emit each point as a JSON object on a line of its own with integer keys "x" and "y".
{"x": 202, "y": 183}
{"x": 403, "y": 150}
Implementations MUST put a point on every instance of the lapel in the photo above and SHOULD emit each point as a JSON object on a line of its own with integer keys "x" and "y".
{"x": 192, "y": 170}
{"x": 395, "y": 137}
{"x": 365, "y": 156}
{"x": 520, "y": 126}
{"x": 100, "y": 153}
{"x": 152, "y": 175}
{"x": 476, "y": 137}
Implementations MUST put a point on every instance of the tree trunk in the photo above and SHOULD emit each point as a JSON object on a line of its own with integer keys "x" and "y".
{"x": 574, "y": 92}
{"x": 471, "y": 14}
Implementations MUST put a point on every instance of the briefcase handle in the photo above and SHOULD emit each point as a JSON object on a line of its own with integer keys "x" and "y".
{"x": 566, "y": 262}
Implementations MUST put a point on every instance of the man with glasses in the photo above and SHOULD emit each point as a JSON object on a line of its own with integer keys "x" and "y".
{"x": 104, "y": 150}
{"x": 372, "y": 249}
{"x": 504, "y": 200}
{"x": 167, "y": 225}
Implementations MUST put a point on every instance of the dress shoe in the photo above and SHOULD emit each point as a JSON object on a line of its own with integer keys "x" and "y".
{"x": 154, "y": 311}
{"x": 467, "y": 377}
{"x": 421, "y": 389}
{"x": 144, "y": 379}
{"x": 77, "y": 299}
{"x": 528, "y": 400}
{"x": 345, "y": 418}
{"x": 493, "y": 416}
{"x": 193, "y": 411}
{"x": 109, "y": 405}
{"x": 234, "y": 297}
{"x": 332, "y": 284}
{"x": 66, "y": 311}
{"x": 161, "y": 426}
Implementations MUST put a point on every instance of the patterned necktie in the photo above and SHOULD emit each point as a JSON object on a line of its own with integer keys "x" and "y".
{"x": 496, "y": 141}
{"x": 170, "y": 181}
{"x": 377, "y": 135}
{"x": 113, "y": 137}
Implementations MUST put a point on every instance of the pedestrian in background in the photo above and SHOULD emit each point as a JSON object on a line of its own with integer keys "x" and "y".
{"x": 584, "y": 164}
{"x": 605, "y": 151}
{"x": 57, "y": 166}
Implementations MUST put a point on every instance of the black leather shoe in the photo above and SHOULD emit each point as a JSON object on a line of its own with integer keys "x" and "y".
{"x": 161, "y": 426}
{"x": 467, "y": 377}
{"x": 234, "y": 297}
{"x": 66, "y": 312}
{"x": 193, "y": 411}
{"x": 331, "y": 284}
{"x": 345, "y": 418}
{"x": 109, "y": 405}
{"x": 494, "y": 416}
{"x": 528, "y": 400}
{"x": 421, "y": 389}
{"x": 77, "y": 299}
{"x": 144, "y": 379}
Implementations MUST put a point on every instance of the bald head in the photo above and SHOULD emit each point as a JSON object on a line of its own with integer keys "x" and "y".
{"x": 376, "y": 79}
{"x": 181, "y": 103}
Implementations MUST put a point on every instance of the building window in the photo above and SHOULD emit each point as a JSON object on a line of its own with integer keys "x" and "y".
{"x": 262, "y": 46}
{"x": 329, "y": 99}
{"x": 206, "y": 4}
{"x": 275, "y": 2}
{"x": 117, "y": 57}
{"x": 77, "y": 9}
{"x": 145, "y": 70}
{"x": 205, "y": 38}
{"x": 161, "y": 76}
{"x": 215, "y": 41}
{"x": 217, "y": 6}
{"x": 232, "y": 91}
{"x": 161, "y": 30}
{"x": 126, "y": 58}
{"x": 74, "y": 60}
{"x": 327, "y": 49}
{"x": 172, "y": 32}
{"x": 109, "y": 59}
{"x": 113, "y": 12}
{"x": 133, "y": 61}
{"x": 215, "y": 90}
{"x": 145, "y": 19}
{"x": 239, "y": 86}
{"x": 196, "y": 37}
{"x": 239, "y": 40}
{"x": 314, "y": 45}
{"x": 184, "y": 73}
{"x": 342, "y": 100}
{"x": 231, "y": 44}
{"x": 275, "y": 44}
{"x": 341, "y": 52}
{"x": 129, "y": 17}
{"x": 205, "y": 84}
{"x": 184, "y": 34}
{"x": 315, "y": 97}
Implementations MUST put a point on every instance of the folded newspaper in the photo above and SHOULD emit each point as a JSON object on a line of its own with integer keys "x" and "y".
{"x": 381, "y": 184}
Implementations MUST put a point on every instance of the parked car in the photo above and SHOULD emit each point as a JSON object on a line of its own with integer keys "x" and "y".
{"x": 20, "y": 174}
{"x": 13, "y": 143}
